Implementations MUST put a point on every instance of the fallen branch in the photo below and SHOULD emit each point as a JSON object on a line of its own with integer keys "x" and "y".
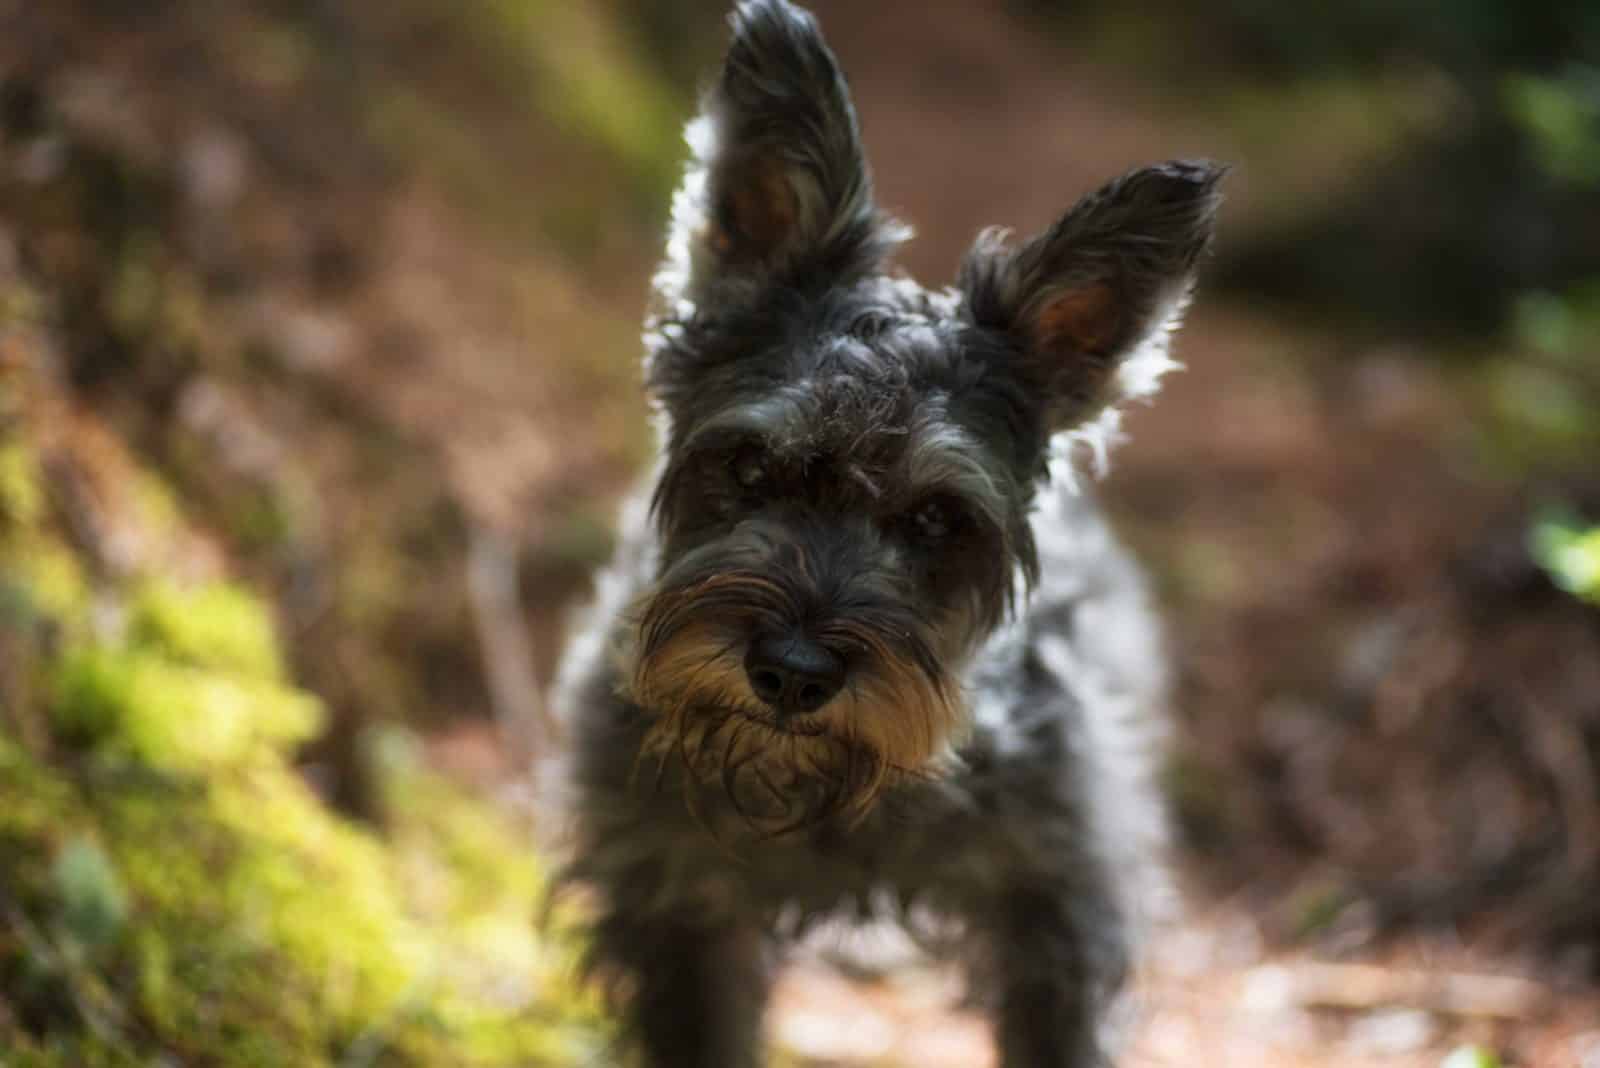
{"x": 1366, "y": 987}
{"x": 514, "y": 691}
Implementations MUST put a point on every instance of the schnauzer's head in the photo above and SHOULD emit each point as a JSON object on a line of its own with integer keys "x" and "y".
{"x": 851, "y": 460}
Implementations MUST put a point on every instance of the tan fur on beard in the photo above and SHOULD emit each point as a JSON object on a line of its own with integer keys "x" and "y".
{"x": 896, "y": 708}
{"x": 691, "y": 682}
{"x": 891, "y": 722}
{"x": 897, "y": 712}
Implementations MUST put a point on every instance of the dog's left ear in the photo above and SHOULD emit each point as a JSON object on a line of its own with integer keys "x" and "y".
{"x": 778, "y": 183}
{"x": 1089, "y": 303}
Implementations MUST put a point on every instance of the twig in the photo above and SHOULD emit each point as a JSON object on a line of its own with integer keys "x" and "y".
{"x": 519, "y": 707}
{"x": 1362, "y": 987}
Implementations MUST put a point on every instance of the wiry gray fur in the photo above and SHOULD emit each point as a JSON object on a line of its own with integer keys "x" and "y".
{"x": 1028, "y": 841}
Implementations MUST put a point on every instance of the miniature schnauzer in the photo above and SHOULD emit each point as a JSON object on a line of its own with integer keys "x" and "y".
{"x": 867, "y": 648}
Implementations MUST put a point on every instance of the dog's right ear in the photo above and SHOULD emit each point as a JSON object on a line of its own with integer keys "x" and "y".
{"x": 1089, "y": 303}
{"x": 778, "y": 184}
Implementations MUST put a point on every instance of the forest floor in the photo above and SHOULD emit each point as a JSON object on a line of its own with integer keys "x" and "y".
{"x": 1217, "y": 995}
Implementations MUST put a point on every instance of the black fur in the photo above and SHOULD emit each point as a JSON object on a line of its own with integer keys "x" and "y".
{"x": 857, "y": 463}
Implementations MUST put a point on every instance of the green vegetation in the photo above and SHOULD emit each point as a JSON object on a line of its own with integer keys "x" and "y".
{"x": 1538, "y": 393}
{"x": 230, "y": 918}
{"x": 1471, "y": 1057}
{"x": 175, "y": 884}
{"x": 1569, "y": 552}
{"x": 1561, "y": 115}
{"x": 174, "y": 887}
{"x": 558, "y": 79}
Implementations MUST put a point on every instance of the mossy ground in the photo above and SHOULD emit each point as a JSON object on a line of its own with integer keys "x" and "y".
{"x": 175, "y": 892}
{"x": 172, "y": 887}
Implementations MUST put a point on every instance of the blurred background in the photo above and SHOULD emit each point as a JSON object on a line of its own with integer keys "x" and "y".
{"x": 318, "y": 340}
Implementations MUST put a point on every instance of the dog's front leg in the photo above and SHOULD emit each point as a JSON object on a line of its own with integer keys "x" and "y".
{"x": 694, "y": 991}
{"x": 1045, "y": 1012}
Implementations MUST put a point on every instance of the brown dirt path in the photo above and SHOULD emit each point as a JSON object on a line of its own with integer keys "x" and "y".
{"x": 1217, "y": 995}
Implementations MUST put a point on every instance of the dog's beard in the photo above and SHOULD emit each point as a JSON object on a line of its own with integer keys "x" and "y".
{"x": 895, "y": 718}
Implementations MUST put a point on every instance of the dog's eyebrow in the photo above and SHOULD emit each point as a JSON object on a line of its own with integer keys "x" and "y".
{"x": 776, "y": 421}
{"x": 942, "y": 456}
{"x": 720, "y": 438}
{"x": 765, "y": 421}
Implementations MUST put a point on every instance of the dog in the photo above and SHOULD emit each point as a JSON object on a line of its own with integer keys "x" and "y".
{"x": 867, "y": 648}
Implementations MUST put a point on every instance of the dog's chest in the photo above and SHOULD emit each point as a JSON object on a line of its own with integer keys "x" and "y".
{"x": 936, "y": 842}
{"x": 837, "y": 869}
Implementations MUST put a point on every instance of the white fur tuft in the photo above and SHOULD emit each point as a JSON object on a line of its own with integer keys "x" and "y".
{"x": 1138, "y": 378}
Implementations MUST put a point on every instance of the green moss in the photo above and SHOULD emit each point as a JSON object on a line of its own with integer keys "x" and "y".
{"x": 181, "y": 890}
{"x": 39, "y": 804}
{"x": 214, "y": 626}
{"x": 511, "y": 997}
{"x": 278, "y": 909}
{"x": 260, "y": 928}
{"x": 174, "y": 716}
{"x": 241, "y": 922}
{"x": 21, "y": 499}
{"x": 93, "y": 901}
{"x": 172, "y": 890}
{"x": 70, "y": 1053}
{"x": 42, "y": 577}
{"x": 155, "y": 508}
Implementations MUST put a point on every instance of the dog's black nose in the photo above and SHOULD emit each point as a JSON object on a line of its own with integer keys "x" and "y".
{"x": 793, "y": 675}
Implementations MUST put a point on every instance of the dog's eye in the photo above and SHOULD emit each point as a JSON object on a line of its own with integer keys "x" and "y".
{"x": 934, "y": 520}
{"x": 750, "y": 468}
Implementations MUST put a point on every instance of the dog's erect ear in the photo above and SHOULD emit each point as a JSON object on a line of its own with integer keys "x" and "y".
{"x": 778, "y": 183}
{"x": 1090, "y": 302}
